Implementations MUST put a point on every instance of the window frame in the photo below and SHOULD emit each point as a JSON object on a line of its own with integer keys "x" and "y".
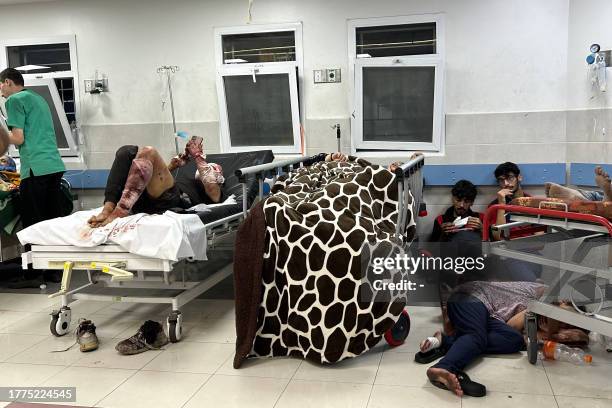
{"x": 296, "y": 85}
{"x": 356, "y": 65}
{"x": 72, "y": 139}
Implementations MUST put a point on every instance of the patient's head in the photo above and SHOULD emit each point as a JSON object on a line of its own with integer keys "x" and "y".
{"x": 508, "y": 175}
{"x": 464, "y": 193}
{"x": 561, "y": 331}
{"x": 7, "y": 163}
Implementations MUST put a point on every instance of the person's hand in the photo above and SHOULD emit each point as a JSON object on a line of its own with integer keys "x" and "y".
{"x": 474, "y": 223}
{"x": 502, "y": 194}
{"x": 448, "y": 227}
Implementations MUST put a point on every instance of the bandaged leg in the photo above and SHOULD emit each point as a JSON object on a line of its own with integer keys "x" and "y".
{"x": 139, "y": 176}
{"x": 210, "y": 174}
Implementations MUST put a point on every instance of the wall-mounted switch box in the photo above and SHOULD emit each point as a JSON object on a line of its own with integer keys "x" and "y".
{"x": 324, "y": 76}
{"x": 320, "y": 76}
{"x": 89, "y": 85}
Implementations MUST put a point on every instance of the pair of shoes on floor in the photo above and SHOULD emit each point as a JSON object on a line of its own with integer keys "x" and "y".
{"x": 150, "y": 336}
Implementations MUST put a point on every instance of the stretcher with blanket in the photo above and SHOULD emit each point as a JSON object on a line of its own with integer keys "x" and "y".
{"x": 302, "y": 267}
{"x": 147, "y": 261}
{"x": 576, "y": 247}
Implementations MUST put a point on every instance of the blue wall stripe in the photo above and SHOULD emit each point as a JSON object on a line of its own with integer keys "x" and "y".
{"x": 435, "y": 174}
{"x": 482, "y": 174}
{"x": 87, "y": 179}
{"x": 582, "y": 174}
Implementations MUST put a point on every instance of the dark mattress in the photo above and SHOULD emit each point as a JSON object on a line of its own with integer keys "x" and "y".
{"x": 230, "y": 162}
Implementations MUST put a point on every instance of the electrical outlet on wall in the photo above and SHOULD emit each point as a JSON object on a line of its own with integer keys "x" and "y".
{"x": 333, "y": 75}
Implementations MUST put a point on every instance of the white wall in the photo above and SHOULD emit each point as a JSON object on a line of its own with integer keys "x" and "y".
{"x": 588, "y": 24}
{"x": 494, "y": 60}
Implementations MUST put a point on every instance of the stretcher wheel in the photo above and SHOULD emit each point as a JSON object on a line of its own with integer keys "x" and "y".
{"x": 531, "y": 324}
{"x": 175, "y": 326}
{"x": 60, "y": 321}
{"x": 396, "y": 335}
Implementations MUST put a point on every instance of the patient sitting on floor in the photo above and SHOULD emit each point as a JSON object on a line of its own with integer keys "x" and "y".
{"x": 140, "y": 181}
{"x": 602, "y": 179}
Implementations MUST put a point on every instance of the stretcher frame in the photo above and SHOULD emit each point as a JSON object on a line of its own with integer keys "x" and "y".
{"x": 158, "y": 274}
{"x": 593, "y": 226}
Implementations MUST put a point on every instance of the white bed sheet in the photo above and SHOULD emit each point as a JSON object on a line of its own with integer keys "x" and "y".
{"x": 169, "y": 236}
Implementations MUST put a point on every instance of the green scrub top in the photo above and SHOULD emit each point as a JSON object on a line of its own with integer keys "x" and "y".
{"x": 30, "y": 112}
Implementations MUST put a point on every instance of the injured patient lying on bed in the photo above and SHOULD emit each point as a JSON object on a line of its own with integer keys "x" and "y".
{"x": 140, "y": 182}
{"x": 299, "y": 257}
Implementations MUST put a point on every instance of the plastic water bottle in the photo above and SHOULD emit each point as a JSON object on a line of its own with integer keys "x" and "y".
{"x": 560, "y": 352}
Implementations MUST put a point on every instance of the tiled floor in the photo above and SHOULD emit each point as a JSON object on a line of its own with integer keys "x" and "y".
{"x": 198, "y": 372}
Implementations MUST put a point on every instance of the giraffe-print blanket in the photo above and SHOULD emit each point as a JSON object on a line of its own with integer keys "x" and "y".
{"x": 323, "y": 223}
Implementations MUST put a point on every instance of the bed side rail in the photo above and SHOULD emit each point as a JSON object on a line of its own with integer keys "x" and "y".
{"x": 491, "y": 216}
{"x": 409, "y": 177}
{"x": 275, "y": 168}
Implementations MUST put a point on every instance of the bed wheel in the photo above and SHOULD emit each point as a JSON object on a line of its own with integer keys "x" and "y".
{"x": 175, "y": 326}
{"x": 396, "y": 335}
{"x": 60, "y": 321}
{"x": 531, "y": 324}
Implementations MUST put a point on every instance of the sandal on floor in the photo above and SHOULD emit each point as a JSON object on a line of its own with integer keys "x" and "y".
{"x": 429, "y": 356}
{"x": 469, "y": 387}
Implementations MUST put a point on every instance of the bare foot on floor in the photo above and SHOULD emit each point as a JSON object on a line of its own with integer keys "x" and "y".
{"x": 425, "y": 344}
{"x": 448, "y": 379}
{"x": 602, "y": 179}
{"x": 554, "y": 190}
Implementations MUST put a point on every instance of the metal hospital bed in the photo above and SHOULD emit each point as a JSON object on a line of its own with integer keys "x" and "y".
{"x": 577, "y": 248}
{"x": 110, "y": 267}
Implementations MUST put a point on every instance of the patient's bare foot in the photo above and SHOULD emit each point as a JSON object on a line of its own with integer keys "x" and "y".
{"x": 445, "y": 377}
{"x": 602, "y": 179}
{"x": 195, "y": 147}
{"x": 554, "y": 190}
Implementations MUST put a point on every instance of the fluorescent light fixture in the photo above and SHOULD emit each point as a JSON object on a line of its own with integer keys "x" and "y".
{"x": 364, "y": 56}
{"x": 31, "y": 67}
{"x": 235, "y": 61}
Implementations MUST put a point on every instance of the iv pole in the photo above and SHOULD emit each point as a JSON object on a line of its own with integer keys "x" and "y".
{"x": 169, "y": 70}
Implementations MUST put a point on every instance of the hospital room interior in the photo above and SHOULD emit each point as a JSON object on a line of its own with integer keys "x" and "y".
{"x": 284, "y": 203}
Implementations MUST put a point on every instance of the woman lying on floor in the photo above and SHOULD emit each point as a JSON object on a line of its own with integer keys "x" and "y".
{"x": 487, "y": 318}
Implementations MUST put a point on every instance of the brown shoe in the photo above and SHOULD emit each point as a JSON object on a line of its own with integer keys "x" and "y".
{"x": 150, "y": 336}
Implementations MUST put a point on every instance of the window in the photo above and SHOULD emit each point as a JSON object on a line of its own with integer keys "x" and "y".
{"x": 397, "y": 66}
{"x": 42, "y": 61}
{"x": 259, "y": 72}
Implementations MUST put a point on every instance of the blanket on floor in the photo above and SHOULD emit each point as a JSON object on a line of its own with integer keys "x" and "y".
{"x": 323, "y": 225}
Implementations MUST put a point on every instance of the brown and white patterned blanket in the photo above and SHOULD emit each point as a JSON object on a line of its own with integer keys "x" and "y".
{"x": 322, "y": 224}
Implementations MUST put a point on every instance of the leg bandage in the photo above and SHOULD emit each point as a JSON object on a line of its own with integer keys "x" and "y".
{"x": 139, "y": 176}
{"x": 207, "y": 172}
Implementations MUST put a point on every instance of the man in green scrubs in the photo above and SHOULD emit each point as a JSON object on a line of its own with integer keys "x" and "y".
{"x": 31, "y": 130}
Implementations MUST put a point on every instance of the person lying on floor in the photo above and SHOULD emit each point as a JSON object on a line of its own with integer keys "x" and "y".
{"x": 140, "y": 181}
{"x": 602, "y": 179}
{"x": 487, "y": 318}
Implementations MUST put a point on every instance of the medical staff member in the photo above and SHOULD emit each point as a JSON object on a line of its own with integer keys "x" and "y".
{"x": 31, "y": 130}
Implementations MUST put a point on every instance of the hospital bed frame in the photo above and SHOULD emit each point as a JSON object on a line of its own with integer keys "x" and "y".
{"x": 108, "y": 265}
{"x": 561, "y": 225}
